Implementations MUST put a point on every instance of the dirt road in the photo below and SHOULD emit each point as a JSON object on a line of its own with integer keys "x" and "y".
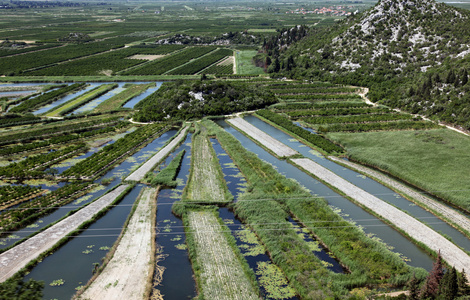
{"x": 138, "y": 174}
{"x": 266, "y": 140}
{"x": 127, "y": 273}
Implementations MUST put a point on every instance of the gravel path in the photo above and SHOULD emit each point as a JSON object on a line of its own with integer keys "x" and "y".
{"x": 447, "y": 212}
{"x": 415, "y": 229}
{"x": 266, "y": 140}
{"x": 222, "y": 277}
{"x": 126, "y": 274}
{"x": 139, "y": 174}
{"x": 16, "y": 258}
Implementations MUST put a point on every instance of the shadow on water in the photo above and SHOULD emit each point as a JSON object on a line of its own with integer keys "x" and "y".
{"x": 412, "y": 254}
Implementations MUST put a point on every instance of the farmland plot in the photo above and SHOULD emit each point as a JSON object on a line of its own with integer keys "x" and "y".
{"x": 205, "y": 183}
{"x": 221, "y": 275}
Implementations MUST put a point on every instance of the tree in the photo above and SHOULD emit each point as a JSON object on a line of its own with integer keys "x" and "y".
{"x": 413, "y": 287}
{"x": 16, "y": 288}
{"x": 431, "y": 286}
{"x": 448, "y": 287}
{"x": 462, "y": 282}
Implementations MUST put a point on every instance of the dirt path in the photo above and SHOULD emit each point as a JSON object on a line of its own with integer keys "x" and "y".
{"x": 126, "y": 275}
{"x": 266, "y": 140}
{"x": 415, "y": 229}
{"x": 447, "y": 212}
{"x": 139, "y": 174}
{"x": 16, "y": 258}
{"x": 221, "y": 274}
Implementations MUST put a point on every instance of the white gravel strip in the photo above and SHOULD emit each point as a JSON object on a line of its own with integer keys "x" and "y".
{"x": 16, "y": 258}
{"x": 266, "y": 140}
{"x": 126, "y": 274}
{"x": 447, "y": 212}
{"x": 139, "y": 174}
{"x": 414, "y": 228}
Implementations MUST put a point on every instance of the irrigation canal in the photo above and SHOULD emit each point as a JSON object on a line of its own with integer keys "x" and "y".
{"x": 369, "y": 185}
{"x": 371, "y": 225}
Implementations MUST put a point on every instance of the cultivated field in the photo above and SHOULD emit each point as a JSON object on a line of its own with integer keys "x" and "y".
{"x": 221, "y": 276}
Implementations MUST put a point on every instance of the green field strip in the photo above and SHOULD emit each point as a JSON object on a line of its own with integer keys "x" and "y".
{"x": 117, "y": 101}
{"x": 81, "y": 100}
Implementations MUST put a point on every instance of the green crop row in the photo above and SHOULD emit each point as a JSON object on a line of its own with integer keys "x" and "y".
{"x": 103, "y": 159}
{"x": 336, "y": 112}
{"x": 316, "y": 90}
{"x": 394, "y": 125}
{"x": 168, "y": 63}
{"x": 219, "y": 69}
{"x": 314, "y": 139}
{"x": 321, "y": 97}
{"x": 44, "y": 99}
{"x": 358, "y": 118}
{"x": 15, "y": 120}
{"x": 201, "y": 63}
{"x": 57, "y": 129}
{"x": 324, "y": 105}
{"x": 10, "y": 194}
{"x": 28, "y": 212}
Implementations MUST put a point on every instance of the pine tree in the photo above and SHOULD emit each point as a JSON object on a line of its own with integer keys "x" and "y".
{"x": 431, "y": 286}
{"x": 463, "y": 284}
{"x": 448, "y": 287}
{"x": 413, "y": 288}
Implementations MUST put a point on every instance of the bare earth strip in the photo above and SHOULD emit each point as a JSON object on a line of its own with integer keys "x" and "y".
{"x": 126, "y": 275}
{"x": 447, "y": 212}
{"x": 16, "y": 258}
{"x": 222, "y": 277}
{"x": 138, "y": 174}
{"x": 267, "y": 141}
{"x": 415, "y": 229}
{"x": 204, "y": 184}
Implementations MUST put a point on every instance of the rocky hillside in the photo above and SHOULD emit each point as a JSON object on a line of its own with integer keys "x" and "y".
{"x": 412, "y": 54}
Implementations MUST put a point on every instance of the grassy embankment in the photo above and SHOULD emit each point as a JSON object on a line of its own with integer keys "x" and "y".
{"x": 431, "y": 160}
{"x": 116, "y": 101}
{"x": 80, "y": 100}
{"x": 371, "y": 264}
{"x": 206, "y": 183}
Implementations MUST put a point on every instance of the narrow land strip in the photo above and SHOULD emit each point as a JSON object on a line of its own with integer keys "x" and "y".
{"x": 267, "y": 141}
{"x": 139, "y": 174}
{"x": 447, "y": 212}
{"x": 221, "y": 276}
{"x": 415, "y": 229}
{"x": 18, "y": 257}
{"x": 126, "y": 275}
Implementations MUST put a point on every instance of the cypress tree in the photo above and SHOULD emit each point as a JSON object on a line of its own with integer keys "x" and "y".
{"x": 463, "y": 284}
{"x": 431, "y": 286}
{"x": 448, "y": 287}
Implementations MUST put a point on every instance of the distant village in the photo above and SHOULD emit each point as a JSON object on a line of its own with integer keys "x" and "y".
{"x": 337, "y": 10}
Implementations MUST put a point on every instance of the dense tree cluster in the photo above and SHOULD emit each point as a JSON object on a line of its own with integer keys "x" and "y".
{"x": 224, "y": 39}
{"x": 195, "y": 99}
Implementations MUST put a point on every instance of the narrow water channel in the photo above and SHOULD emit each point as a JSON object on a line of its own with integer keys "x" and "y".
{"x": 74, "y": 262}
{"x": 131, "y": 103}
{"x": 177, "y": 281}
{"x": 117, "y": 174}
{"x": 367, "y": 184}
{"x": 412, "y": 254}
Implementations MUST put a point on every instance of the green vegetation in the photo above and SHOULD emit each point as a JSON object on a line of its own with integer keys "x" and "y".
{"x": 369, "y": 261}
{"x": 117, "y": 101}
{"x": 75, "y": 103}
{"x": 431, "y": 160}
{"x": 110, "y": 154}
{"x": 244, "y": 64}
{"x": 195, "y": 66}
{"x": 17, "y": 289}
{"x": 315, "y": 139}
{"x": 11, "y": 195}
{"x": 206, "y": 183}
{"x": 36, "y": 102}
{"x": 195, "y": 99}
{"x": 166, "y": 177}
